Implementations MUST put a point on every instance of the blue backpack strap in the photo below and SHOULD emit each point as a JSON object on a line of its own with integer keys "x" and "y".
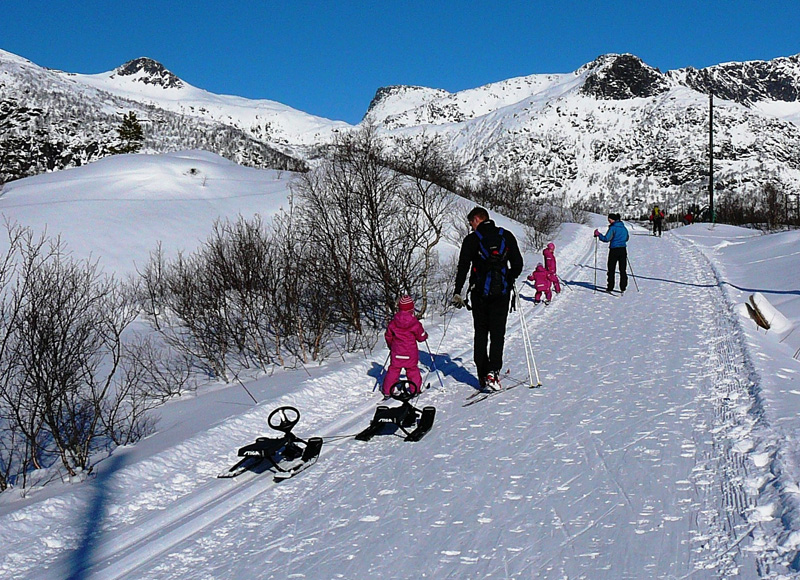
{"x": 501, "y": 231}
{"x": 481, "y": 249}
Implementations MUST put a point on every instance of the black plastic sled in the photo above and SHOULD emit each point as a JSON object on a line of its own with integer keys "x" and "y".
{"x": 288, "y": 455}
{"x": 414, "y": 423}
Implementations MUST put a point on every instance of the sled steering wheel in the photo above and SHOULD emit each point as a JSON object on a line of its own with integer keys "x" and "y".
{"x": 283, "y": 418}
{"x": 403, "y": 391}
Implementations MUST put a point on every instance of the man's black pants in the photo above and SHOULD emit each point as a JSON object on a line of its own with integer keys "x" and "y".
{"x": 617, "y": 256}
{"x": 657, "y": 227}
{"x": 489, "y": 317}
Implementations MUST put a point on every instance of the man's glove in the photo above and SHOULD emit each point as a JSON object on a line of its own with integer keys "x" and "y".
{"x": 596, "y": 233}
{"x": 458, "y": 301}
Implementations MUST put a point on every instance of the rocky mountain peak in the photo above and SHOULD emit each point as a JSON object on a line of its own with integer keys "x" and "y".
{"x": 747, "y": 82}
{"x": 149, "y": 72}
{"x": 617, "y": 77}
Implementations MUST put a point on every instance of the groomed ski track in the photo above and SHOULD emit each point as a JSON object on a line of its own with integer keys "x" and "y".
{"x": 638, "y": 458}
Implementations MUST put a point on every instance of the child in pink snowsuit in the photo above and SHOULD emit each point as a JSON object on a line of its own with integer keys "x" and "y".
{"x": 402, "y": 336}
{"x": 541, "y": 281}
{"x": 550, "y": 266}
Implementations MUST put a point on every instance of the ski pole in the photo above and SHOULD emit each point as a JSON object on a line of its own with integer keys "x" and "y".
{"x": 595, "y": 263}
{"x": 564, "y": 284}
{"x": 433, "y": 364}
{"x": 246, "y": 389}
{"x": 632, "y": 274}
{"x": 238, "y": 380}
{"x": 533, "y": 358}
{"x": 447, "y": 322}
{"x": 525, "y": 336}
{"x": 527, "y": 345}
{"x": 378, "y": 380}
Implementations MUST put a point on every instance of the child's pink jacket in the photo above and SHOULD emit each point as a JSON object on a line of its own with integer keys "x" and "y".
{"x": 540, "y": 278}
{"x": 549, "y": 259}
{"x": 402, "y": 336}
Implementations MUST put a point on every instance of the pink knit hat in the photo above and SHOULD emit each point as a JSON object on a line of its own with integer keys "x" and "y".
{"x": 405, "y": 303}
{"x": 551, "y": 246}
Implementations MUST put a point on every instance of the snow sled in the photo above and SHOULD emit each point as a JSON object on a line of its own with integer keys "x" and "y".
{"x": 288, "y": 455}
{"x": 414, "y": 423}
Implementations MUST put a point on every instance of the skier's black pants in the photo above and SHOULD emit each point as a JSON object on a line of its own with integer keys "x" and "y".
{"x": 618, "y": 256}
{"x": 657, "y": 227}
{"x": 489, "y": 318}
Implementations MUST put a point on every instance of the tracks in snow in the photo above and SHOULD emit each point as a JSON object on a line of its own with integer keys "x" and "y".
{"x": 731, "y": 475}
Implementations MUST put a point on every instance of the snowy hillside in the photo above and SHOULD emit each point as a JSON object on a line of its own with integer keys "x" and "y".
{"x": 133, "y": 201}
{"x": 147, "y": 81}
{"x": 51, "y": 120}
{"x": 616, "y": 133}
{"x": 662, "y": 444}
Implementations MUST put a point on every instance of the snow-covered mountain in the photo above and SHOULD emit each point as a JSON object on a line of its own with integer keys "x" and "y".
{"x": 54, "y": 120}
{"x": 616, "y": 131}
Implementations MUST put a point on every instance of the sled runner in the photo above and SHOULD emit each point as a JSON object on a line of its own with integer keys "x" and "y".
{"x": 288, "y": 455}
{"x": 413, "y": 422}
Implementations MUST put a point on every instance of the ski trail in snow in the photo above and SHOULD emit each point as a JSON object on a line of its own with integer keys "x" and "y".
{"x": 638, "y": 458}
{"x": 127, "y": 551}
{"x": 739, "y": 468}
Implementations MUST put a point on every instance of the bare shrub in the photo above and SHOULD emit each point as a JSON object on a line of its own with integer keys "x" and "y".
{"x": 62, "y": 336}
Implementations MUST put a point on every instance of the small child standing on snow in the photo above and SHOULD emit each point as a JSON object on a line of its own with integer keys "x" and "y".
{"x": 550, "y": 266}
{"x": 541, "y": 281}
{"x": 402, "y": 335}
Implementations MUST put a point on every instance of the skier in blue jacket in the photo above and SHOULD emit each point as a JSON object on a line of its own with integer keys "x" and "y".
{"x": 617, "y": 239}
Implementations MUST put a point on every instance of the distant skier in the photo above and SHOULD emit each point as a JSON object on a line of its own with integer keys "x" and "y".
{"x": 550, "y": 266}
{"x": 402, "y": 335}
{"x": 491, "y": 257}
{"x": 541, "y": 281}
{"x": 617, "y": 239}
{"x": 657, "y": 217}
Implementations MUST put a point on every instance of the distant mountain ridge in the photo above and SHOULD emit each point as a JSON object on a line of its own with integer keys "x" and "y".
{"x": 747, "y": 82}
{"x": 616, "y": 131}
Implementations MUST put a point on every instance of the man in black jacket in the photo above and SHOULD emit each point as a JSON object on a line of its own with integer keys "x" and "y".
{"x": 492, "y": 258}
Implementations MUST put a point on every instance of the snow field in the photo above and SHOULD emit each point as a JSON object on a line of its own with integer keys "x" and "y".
{"x": 624, "y": 467}
{"x": 651, "y": 450}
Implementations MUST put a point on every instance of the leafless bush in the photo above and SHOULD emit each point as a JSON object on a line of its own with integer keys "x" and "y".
{"x": 70, "y": 385}
{"x": 375, "y": 228}
{"x": 763, "y": 206}
{"x": 149, "y": 374}
{"x": 62, "y": 345}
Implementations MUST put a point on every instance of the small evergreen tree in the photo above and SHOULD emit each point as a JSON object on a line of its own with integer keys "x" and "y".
{"x": 131, "y": 135}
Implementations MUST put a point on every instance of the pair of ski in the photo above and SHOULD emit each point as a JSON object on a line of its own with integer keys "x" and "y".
{"x": 482, "y": 395}
{"x": 616, "y": 293}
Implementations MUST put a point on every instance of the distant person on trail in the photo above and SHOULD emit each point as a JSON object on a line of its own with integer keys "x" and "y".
{"x": 617, "y": 239}
{"x": 657, "y": 217}
{"x": 550, "y": 266}
{"x": 491, "y": 257}
{"x": 688, "y": 219}
{"x": 541, "y": 281}
{"x": 402, "y": 335}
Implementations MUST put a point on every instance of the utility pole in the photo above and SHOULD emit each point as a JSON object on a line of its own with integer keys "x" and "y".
{"x": 711, "y": 156}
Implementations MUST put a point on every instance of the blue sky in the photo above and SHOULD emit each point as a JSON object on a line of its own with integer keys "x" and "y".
{"x": 328, "y": 58}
